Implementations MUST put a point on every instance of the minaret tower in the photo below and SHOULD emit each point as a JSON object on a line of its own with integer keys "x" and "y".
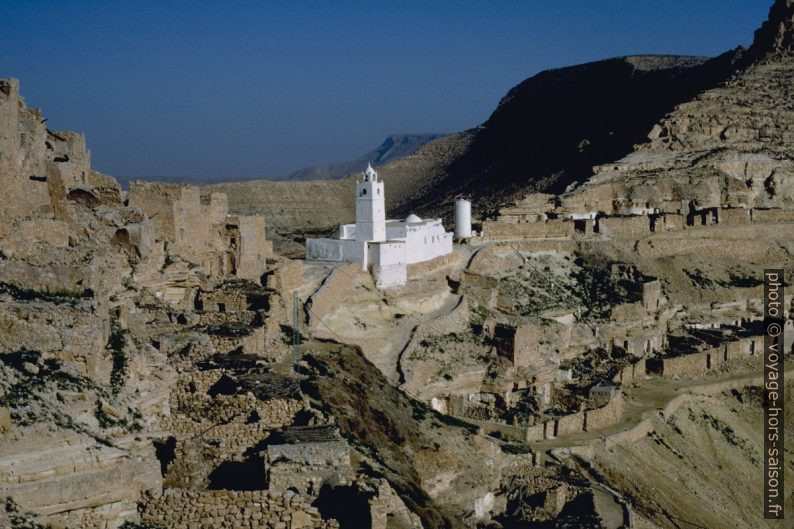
{"x": 370, "y": 208}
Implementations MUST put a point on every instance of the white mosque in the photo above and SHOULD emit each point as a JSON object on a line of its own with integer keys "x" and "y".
{"x": 385, "y": 247}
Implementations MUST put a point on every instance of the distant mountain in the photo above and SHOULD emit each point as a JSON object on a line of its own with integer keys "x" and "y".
{"x": 548, "y": 132}
{"x": 394, "y": 147}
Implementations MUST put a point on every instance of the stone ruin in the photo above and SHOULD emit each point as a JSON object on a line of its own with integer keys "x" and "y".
{"x": 199, "y": 229}
{"x": 42, "y": 168}
{"x": 304, "y": 458}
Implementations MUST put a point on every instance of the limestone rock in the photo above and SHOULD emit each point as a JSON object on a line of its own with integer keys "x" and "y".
{"x": 776, "y": 35}
{"x": 5, "y": 420}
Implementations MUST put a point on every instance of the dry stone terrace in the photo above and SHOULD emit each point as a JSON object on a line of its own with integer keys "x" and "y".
{"x": 233, "y": 510}
{"x": 147, "y": 375}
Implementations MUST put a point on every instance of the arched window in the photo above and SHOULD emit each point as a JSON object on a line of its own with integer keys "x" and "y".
{"x": 363, "y": 192}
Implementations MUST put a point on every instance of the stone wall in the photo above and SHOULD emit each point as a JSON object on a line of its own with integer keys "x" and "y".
{"x": 668, "y": 222}
{"x": 388, "y": 510}
{"x": 772, "y": 215}
{"x": 733, "y": 216}
{"x": 331, "y": 453}
{"x": 498, "y": 429}
{"x": 681, "y": 365}
{"x": 538, "y": 432}
{"x": 239, "y": 421}
{"x": 606, "y": 415}
{"x": 699, "y": 363}
{"x": 157, "y": 203}
{"x": 23, "y": 156}
{"x": 527, "y": 230}
{"x": 286, "y": 277}
{"x": 222, "y": 300}
{"x": 532, "y": 342}
{"x": 481, "y": 289}
{"x": 5, "y": 420}
{"x": 630, "y": 373}
{"x": 569, "y": 424}
{"x": 228, "y": 509}
{"x": 433, "y": 265}
{"x": 252, "y": 249}
{"x": 69, "y": 171}
{"x": 581, "y": 421}
{"x": 198, "y": 229}
{"x": 651, "y": 295}
{"x": 252, "y": 341}
{"x": 625, "y": 227}
{"x": 191, "y": 397}
{"x": 302, "y": 459}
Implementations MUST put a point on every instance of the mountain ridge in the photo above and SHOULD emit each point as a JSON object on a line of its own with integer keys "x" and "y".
{"x": 393, "y": 147}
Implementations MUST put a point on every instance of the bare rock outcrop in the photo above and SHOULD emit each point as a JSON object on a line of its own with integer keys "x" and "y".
{"x": 53, "y": 471}
{"x": 775, "y": 37}
{"x": 91, "y": 289}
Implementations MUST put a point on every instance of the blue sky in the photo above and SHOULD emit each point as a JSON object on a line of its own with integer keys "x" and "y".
{"x": 254, "y": 89}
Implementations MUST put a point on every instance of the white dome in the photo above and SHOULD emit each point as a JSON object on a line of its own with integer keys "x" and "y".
{"x": 411, "y": 219}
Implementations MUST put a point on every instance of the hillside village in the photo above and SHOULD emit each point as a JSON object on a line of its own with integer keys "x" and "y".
{"x": 590, "y": 358}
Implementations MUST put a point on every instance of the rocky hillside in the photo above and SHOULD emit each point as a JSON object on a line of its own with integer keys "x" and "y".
{"x": 775, "y": 38}
{"x": 546, "y": 133}
{"x": 295, "y": 209}
{"x": 728, "y": 146}
{"x": 708, "y": 449}
{"x": 592, "y": 359}
{"x": 394, "y": 147}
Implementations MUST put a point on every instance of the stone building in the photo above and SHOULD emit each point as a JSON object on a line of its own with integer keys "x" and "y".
{"x": 303, "y": 458}
{"x": 199, "y": 229}
{"x": 42, "y": 168}
{"x": 532, "y": 343}
{"x": 385, "y": 247}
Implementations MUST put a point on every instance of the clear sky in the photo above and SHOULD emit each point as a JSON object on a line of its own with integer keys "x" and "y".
{"x": 237, "y": 89}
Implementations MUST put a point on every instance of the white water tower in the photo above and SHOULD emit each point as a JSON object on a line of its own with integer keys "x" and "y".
{"x": 462, "y": 218}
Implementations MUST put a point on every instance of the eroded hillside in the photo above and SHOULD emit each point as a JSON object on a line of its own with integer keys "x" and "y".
{"x": 591, "y": 358}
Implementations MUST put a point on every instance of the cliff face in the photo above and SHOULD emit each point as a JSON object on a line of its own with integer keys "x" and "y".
{"x": 728, "y": 147}
{"x": 86, "y": 284}
{"x": 546, "y": 133}
{"x": 550, "y": 130}
{"x": 776, "y": 36}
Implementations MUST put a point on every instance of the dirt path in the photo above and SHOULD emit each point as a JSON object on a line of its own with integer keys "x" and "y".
{"x": 656, "y": 394}
{"x": 388, "y": 359}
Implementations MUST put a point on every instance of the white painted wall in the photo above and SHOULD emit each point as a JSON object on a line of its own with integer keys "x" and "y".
{"x": 386, "y": 248}
{"x": 395, "y": 229}
{"x": 427, "y": 241}
{"x": 347, "y": 231}
{"x": 387, "y": 252}
{"x": 347, "y": 251}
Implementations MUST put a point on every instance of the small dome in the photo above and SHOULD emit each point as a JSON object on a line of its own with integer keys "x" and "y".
{"x": 411, "y": 219}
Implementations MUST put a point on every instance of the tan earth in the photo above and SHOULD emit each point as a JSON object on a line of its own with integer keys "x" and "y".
{"x": 592, "y": 358}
